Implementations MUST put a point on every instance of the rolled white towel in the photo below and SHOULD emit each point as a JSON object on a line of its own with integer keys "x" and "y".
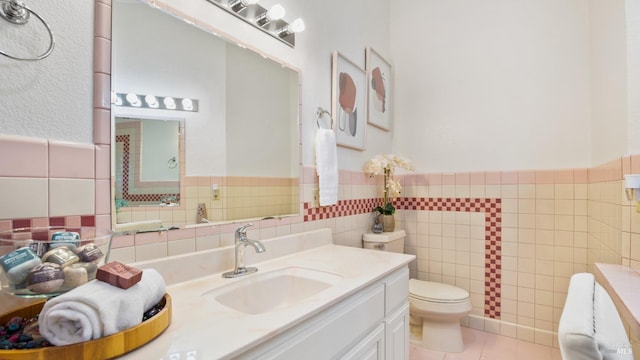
{"x": 97, "y": 309}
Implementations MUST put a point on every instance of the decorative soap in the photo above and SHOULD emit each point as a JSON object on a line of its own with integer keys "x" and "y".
{"x": 61, "y": 256}
{"x": 45, "y": 278}
{"x": 89, "y": 253}
{"x": 78, "y": 274}
{"x": 118, "y": 274}
{"x": 69, "y": 239}
{"x": 17, "y": 264}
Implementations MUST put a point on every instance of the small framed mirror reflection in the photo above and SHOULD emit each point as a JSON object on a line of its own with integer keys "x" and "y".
{"x": 147, "y": 162}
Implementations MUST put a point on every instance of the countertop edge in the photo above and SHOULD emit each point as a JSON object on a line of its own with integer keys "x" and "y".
{"x": 618, "y": 280}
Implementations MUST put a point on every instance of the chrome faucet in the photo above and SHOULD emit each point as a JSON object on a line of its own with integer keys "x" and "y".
{"x": 241, "y": 242}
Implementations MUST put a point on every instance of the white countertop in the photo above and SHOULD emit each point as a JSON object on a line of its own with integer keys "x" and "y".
{"x": 208, "y": 330}
{"x": 622, "y": 284}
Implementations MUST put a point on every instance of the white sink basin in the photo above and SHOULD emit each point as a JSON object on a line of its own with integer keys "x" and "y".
{"x": 263, "y": 292}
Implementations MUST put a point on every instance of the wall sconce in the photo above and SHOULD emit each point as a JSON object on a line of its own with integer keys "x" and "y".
{"x": 269, "y": 21}
{"x": 632, "y": 189}
{"x": 154, "y": 102}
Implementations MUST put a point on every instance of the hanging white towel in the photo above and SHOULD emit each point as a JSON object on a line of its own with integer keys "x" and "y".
{"x": 327, "y": 166}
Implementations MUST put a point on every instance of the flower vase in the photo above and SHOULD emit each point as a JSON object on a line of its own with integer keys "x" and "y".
{"x": 388, "y": 223}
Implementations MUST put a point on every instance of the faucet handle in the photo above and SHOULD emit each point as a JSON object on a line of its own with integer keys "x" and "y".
{"x": 242, "y": 230}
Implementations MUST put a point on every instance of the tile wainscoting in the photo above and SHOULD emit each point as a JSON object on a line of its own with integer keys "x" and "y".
{"x": 512, "y": 239}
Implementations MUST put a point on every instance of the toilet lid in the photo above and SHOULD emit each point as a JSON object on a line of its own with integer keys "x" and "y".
{"x": 436, "y": 292}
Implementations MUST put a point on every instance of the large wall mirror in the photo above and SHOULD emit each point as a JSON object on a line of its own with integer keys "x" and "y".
{"x": 234, "y": 157}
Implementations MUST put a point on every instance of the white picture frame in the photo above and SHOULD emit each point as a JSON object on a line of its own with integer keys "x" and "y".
{"x": 348, "y": 102}
{"x": 379, "y": 90}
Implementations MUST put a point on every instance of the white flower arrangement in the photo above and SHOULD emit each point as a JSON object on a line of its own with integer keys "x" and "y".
{"x": 386, "y": 165}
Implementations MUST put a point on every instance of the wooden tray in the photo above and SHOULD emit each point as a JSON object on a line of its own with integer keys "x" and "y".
{"x": 103, "y": 348}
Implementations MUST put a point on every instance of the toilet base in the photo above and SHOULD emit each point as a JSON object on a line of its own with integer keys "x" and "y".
{"x": 439, "y": 335}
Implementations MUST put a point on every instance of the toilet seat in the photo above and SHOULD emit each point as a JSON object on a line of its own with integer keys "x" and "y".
{"x": 437, "y": 292}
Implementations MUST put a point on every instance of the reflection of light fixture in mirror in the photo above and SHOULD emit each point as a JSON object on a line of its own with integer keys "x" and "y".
{"x": 275, "y": 13}
{"x": 239, "y": 5}
{"x": 154, "y": 102}
{"x": 116, "y": 99}
{"x": 295, "y": 27}
{"x": 269, "y": 21}
{"x": 169, "y": 103}
{"x": 151, "y": 101}
{"x": 187, "y": 104}
{"x": 133, "y": 100}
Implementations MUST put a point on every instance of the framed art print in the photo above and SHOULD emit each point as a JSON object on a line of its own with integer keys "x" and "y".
{"x": 348, "y": 100}
{"x": 379, "y": 90}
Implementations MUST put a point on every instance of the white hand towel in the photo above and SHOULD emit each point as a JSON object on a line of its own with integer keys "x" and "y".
{"x": 97, "y": 309}
{"x": 327, "y": 166}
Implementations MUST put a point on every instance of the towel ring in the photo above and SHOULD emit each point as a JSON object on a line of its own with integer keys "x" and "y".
{"x": 320, "y": 112}
{"x": 17, "y": 13}
{"x": 172, "y": 163}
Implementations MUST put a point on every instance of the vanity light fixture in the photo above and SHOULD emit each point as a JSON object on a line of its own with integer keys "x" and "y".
{"x": 239, "y": 5}
{"x": 154, "y": 102}
{"x": 115, "y": 99}
{"x": 151, "y": 101}
{"x": 295, "y": 27}
{"x": 169, "y": 103}
{"x": 269, "y": 21}
{"x": 187, "y": 104}
{"x": 133, "y": 100}
{"x": 276, "y": 12}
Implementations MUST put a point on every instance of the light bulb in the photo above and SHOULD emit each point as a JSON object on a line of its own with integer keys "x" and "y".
{"x": 187, "y": 104}
{"x": 151, "y": 101}
{"x": 169, "y": 103}
{"x": 133, "y": 99}
{"x": 276, "y": 12}
{"x": 296, "y": 26}
{"x": 116, "y": 99}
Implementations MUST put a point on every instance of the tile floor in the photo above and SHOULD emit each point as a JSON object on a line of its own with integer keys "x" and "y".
{"x": 480, "y": 345}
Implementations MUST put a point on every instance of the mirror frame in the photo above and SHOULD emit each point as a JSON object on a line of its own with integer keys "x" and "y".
{"x": 102, "y": 120}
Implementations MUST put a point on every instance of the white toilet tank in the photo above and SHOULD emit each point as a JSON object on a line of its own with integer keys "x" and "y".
{"x": 386, "y": 241}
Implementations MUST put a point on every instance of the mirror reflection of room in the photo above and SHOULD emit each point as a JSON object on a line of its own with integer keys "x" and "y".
{"x": 147, "y": 158}
{"x": 230, "y": 169}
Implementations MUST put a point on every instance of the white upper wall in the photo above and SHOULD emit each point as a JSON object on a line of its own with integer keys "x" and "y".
{"x": 608, "y": 55}
{"x": 492, "y": 85}
{"x": 633, "y": 76}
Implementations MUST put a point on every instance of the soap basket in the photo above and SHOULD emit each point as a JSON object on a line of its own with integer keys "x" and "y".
{"x": 48, "y": 261}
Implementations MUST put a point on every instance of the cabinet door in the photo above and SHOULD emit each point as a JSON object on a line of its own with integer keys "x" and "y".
{"x": 370, "y": 348}
{"x": 397, "y": 334}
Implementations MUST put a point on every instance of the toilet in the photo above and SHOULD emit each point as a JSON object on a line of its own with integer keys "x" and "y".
{"x": 434, "y": 307}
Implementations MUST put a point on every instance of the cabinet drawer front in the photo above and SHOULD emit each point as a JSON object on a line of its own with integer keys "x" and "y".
{"x": 329, "y": 332}
{"x": 397, "y": 290}
{"x": 369, "y": 348}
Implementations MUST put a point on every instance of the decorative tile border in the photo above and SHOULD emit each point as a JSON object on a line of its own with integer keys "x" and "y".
{"x": 126, "y": 172}
{"x": 67, "y": 221}
{"x": 493, "y": 230}
{"x": 492, "y": 209}
{"x": 343, "y": 208}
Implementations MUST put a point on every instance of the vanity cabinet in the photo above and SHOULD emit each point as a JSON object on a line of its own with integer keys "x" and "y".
{"x": 370, "y": 324}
